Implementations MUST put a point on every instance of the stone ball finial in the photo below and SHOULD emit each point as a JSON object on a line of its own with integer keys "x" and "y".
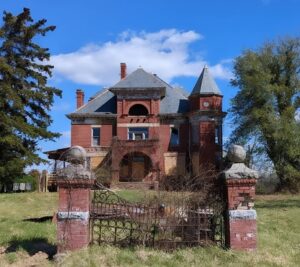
{"x": 75, "y": 155}
{"x": 236, "y": 154}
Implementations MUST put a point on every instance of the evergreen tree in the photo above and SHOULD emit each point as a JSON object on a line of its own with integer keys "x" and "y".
{"x": 25, "y": 97}
{"x": 266, "y": 104}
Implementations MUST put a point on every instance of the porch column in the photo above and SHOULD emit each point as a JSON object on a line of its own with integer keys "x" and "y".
{"x": 241, "y": 229}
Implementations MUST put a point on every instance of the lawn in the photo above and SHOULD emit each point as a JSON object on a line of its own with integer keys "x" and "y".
{"x": 26, "y": 240}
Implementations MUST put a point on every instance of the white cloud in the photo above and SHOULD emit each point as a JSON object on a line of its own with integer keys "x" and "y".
{"x": 165, "y": 52}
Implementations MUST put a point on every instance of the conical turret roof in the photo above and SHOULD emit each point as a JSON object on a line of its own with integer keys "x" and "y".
{"x": 206, "y": 84}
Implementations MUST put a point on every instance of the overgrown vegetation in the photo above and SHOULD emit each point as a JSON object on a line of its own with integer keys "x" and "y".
{"x": 278, "y": 240}
{"x": 264, "y": 109}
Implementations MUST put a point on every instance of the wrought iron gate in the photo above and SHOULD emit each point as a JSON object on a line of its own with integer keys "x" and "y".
{"x": 116, "y": 221}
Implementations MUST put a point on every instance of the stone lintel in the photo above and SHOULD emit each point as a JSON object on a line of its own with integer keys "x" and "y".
{"x": 242, "y": 215}
{"x": 73, "y": 215}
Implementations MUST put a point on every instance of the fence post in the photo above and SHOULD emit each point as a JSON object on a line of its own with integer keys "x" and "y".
{"x": 241, "y": 229}
{"x": 74, "y": 190}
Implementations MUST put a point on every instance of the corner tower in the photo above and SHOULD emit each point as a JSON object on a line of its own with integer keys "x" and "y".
{"x": 206, "y": 120}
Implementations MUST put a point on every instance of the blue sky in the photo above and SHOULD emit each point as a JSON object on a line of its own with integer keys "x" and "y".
{"x": 171, "y": 38}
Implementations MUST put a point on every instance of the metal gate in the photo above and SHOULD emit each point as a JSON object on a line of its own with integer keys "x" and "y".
{"x": 166, "y": 224}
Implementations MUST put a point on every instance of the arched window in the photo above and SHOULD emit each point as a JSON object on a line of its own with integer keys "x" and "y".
{"x": 138, "y": 110}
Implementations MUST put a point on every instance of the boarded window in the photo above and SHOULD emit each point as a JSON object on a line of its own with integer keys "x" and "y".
{"x": 96, "y": 136}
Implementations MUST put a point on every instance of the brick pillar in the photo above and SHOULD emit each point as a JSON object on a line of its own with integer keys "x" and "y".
{"x": 73, "y": 213}
{"x": 241, "y": 230}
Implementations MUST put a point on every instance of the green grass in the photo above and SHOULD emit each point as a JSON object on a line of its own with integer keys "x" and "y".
{"x": 20, "y": 236}
{"x": 278, "y": 237}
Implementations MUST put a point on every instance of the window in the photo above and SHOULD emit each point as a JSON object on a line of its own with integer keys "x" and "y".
{"x": 174, "y": 140}
{"x": 137, "y": 133}
{"x": 96, "y": 136}
{"x": 138, "y": 110}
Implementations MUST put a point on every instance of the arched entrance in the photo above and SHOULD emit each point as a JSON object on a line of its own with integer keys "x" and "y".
{"x": 134, "y": 167}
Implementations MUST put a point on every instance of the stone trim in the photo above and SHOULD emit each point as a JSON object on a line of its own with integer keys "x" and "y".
{"x": 138, "y": 125}
{"x": 73, "y": 215}
{"x": 242, "y": 215}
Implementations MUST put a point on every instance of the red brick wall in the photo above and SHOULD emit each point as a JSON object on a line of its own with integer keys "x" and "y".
{"x": 215, "y": 102}
{"x": 122, "y": 133}
{"x": 208, "y": 147}
{"x": 81, "y": 135}
{"x": 164, "y": 137}
{"x": 237, "y": 193}
{"x": 106, "y": 134}
{"x": 78, "y": 196}
{"x": 243, "y": 235}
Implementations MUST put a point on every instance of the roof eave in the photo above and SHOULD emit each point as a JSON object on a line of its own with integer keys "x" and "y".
{"x": 90, "y": 115}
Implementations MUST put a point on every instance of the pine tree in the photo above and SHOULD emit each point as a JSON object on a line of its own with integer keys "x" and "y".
{"x": 266, "y": 104}
{"x": 25, "y": 96}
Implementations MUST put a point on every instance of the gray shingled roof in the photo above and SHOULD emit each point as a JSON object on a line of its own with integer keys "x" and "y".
{"x": 206, "y": 84}
{"x": 104, "y": 101}
{"x": 140, "y": 79}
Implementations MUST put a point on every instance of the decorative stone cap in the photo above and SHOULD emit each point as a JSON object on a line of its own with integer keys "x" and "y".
{"x": 75, "y": 155}
{"x": 74, "y": 172}
{"x": 236, "y": 154}
{"x": 238, "y": 169}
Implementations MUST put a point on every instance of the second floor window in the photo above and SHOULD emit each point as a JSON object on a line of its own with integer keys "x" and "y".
{"x": 137, "y": 133}
{"x": 96, "y": 136}
{"x": 174, "y": 140}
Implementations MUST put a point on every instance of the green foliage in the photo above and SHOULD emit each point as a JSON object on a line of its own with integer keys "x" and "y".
{"x": 25, "y": 97}
{"x": 265, "y": 106}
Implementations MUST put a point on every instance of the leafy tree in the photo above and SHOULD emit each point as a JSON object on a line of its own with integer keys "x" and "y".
{"x": 266, "y": 104}
{"x": 25, "y": 97}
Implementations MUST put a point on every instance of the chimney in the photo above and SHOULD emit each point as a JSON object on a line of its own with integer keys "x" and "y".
{"x": 79, "y": 98}
{"x": 123, "y": 70}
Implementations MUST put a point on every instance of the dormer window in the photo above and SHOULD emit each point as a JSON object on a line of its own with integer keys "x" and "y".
{"x": 137, "y": 133}
{"x": 138, "y": 110}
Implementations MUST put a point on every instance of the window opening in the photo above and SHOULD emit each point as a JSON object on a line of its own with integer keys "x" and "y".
{"x": 138, "y": 110}
{"x": 137, "y": 133}
{"x": 174, "y": 140}
{"x": 96, "y": 136}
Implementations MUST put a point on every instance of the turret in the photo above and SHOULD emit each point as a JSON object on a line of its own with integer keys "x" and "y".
{"x": 206, "y": 95}
{"x": 206, "y": 120}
